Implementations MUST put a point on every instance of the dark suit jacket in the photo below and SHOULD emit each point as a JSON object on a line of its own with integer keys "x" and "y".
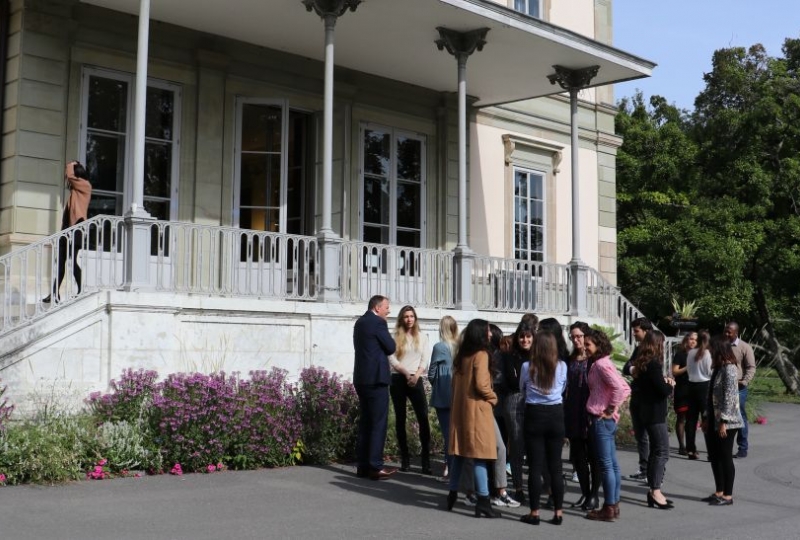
{"x": 373, "y": 344}
{"x": 653, "y": 394}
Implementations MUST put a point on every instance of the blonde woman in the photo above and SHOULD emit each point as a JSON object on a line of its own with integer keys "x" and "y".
{"x": 408, "y": 364}
{"x": 440, "y": 375}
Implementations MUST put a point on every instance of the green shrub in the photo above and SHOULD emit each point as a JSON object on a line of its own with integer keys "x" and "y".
{"x": 128, "y": 446}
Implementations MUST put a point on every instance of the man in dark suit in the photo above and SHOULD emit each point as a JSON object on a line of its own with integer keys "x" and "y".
{"x": 373, "y": 344}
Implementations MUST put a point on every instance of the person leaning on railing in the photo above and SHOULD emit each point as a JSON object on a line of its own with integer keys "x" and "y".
{"x": 75, "y": 211}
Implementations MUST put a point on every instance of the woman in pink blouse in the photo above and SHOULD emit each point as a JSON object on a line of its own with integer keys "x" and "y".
{"x": 607, "y": 391}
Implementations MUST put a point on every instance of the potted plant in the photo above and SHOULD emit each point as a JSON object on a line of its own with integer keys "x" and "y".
{"x": 684, "y": 316}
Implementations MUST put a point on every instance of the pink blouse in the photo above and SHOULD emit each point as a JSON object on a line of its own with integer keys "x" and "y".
{"x": 607, "y": 388}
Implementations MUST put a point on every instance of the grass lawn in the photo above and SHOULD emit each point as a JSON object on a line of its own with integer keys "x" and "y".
{"x": 767, "y": 386}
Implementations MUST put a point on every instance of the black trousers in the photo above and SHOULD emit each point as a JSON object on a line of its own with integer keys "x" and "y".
{"x": 581, "y": 455}
{"x": 65, "y": 246}
{"x": 659, "y": 453}
{"x": 374, "y": 403}
{"x": 642, "y": 441}
{"x": 696, "y": 398}
{"x": 544, "y": 437}
{"x": 400, "y": 391}
{"x": 720, "y": 454}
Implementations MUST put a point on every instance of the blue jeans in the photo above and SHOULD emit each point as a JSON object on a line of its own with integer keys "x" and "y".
{"x": 444, "y": 424}
{"x": 741, "y": 437}
{"x": 603, "y": 435}
{"x": 480, "y": 473}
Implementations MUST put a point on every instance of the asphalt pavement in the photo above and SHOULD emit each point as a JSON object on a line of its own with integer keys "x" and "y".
{"x": 330, "y": 502}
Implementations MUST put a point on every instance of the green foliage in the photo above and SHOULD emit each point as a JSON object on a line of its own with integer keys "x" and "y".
{"x": 128, "y": 446}
{"x": 709, "y": 201}
{"x": 48, "y": 450}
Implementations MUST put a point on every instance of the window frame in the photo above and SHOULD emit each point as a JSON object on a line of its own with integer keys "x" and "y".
{"x": 127, "y": 182}
{"x": 394, "y": 133}
{"x": 512, "y": 5}
{"x": 543, "y": 176}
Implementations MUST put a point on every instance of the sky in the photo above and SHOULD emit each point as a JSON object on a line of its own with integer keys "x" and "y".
{"x": 681, "y": 36}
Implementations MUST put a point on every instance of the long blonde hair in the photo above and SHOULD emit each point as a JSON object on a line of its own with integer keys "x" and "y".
{"x": 401, "y": 335}
{"x": 448, "y": 333}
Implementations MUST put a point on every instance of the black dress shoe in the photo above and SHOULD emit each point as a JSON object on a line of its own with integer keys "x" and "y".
{"x": 721, "y": 502}
{"x": 556, "y": 520}
{"x": 530, "y": 520}
{"x": 382, "y": 474}
{"x": 712, "y": 497}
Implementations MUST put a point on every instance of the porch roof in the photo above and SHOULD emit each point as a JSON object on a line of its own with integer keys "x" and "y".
{"x": 395, "y": 39}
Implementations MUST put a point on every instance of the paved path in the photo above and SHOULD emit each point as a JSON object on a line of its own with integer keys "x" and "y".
{"x": 330, "y": 502}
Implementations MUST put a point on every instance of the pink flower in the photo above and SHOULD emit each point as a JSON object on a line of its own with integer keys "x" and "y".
{"x": 137, "y": 475}
{"x": 176, "y": 470}
{"x": 211, "y": 468}
{"x": 102, "y": 462}
{"x": 2, "y": 478}
{"x": 761, "y": 420}
{"x": 220, "y": 466}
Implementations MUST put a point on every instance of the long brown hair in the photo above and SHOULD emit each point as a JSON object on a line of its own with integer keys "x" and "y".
{"x": 702, "y": 344}
{"x": 402, "y": 337}
{"x": 474, "y": 338}
{"x": 544, "y": 361}
{"x": 651, "y": 348}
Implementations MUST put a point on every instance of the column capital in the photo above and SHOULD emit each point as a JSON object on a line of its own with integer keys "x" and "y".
{"x": 573, "y": 79}
{"x": 331, "y": 8}
{"x": 461, "y": 44}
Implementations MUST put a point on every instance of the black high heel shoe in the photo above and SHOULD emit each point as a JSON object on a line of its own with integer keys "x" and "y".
{"x": 557, "y": 520}
{"x": 530, "y": 520}
{"x": 652, "y": 503}
{"x": 452, "y": 497}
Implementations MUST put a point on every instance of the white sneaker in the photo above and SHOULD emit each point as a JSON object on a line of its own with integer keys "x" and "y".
{"x": 470, "y": 499}
{"x": 505, "y": 500}
{"x": 575, "y": 477}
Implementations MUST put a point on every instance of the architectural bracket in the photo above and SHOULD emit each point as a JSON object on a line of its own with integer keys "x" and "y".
{"x": 331, "y": 8}
{"x": 573, "y": 79}
{"x": 510, "y": 143}
{"x": 461, "y": 44}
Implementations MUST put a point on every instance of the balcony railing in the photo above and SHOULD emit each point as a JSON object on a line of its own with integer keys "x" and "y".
{"x": 420, "y": 277}
{"x": 522, "y": 286}
{"x": 605, "y": 302}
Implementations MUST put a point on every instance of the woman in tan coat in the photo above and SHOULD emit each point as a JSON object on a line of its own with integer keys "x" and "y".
{"x": 472, "y": 433}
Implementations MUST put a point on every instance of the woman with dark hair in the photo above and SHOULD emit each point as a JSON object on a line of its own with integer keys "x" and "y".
{"x": 607, "y": 391}
{"x": 722, "y": 420}
{"x": 542, "y": 380}
{"x": 680, "y": 398}
{"x": 655, "y": 388}
{"x": 75, "y": 210}
{"x": 511, "y": 364}
{"x": 408, "y": 364}
{"x": 576, "y": 420}
{"x": 472, "y": 427}
{"x": 554, "y": 327}
{"x": 698, "y": 369}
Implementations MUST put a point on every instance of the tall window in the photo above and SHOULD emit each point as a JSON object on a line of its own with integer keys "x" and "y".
{"x": 393, "y": 172}
{"x": 528, "y": 215}
{"x": 529, "y": 7}
{"x": 107, "y": 143}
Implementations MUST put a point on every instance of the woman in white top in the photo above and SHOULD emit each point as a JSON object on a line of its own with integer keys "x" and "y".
{"x": 409, "y": 363}
{"x": 698, "y": 368}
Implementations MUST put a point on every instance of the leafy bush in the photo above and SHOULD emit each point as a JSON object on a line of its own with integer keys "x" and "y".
{"x": 5, "y": 409}
{"x": 129, "y": 398}
{"x": 47, "y": 450}
{"x": 328, "y": 409}
{"x": 127, "y": 446}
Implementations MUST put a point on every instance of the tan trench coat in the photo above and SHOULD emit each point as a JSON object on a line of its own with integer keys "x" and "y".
{"x": 471, "y": 417}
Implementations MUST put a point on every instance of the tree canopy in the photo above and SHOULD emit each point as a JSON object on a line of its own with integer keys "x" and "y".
{"x": 709, "y": 200}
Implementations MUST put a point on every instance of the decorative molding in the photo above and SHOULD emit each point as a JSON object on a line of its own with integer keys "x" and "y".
{"x": 573, "y": 79}
{"x": 330, "y": 8}
{"x": 461, "y": 44}
{"x": 510, "y": 143}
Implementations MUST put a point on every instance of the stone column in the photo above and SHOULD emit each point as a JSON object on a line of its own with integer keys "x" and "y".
{"x": 462, "y": 45}
{"x": 573, "y": 80}
{"x": 329, "y": 242}
{"x": 137, "y": 220}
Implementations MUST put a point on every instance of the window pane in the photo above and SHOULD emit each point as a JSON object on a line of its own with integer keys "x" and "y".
{"x": 105, "y": 204}
{"x": 157, "y": 169}
{"x": 409, "y": 159}
{"x": 520, "y": 184}
{"x": 408, "y": 206}
{"x": 538, "y": 213}
{"x": 530, "y": 7}
{"x": 261, "y": 128}
{"x": 260, "y": 180}
{"x": 521, "y": 237}
{"x": 376, "y": 200}
{"x": 157, "y": 209}
{"x": 159, "y": 112}
{"x": 376, "y": 235}
{"x": 108, "y": 100}
{"x": 408, "y": 238}
{"x": 537, "y": 191}
{"x": 259, "y": 219}
{"x": 376, "y": 152}
{"x": 537, "y": 239}
{"x": 105, "y": 161}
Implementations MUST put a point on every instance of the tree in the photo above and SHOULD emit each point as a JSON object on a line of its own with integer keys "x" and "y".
{"x": 709, "y": 202}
